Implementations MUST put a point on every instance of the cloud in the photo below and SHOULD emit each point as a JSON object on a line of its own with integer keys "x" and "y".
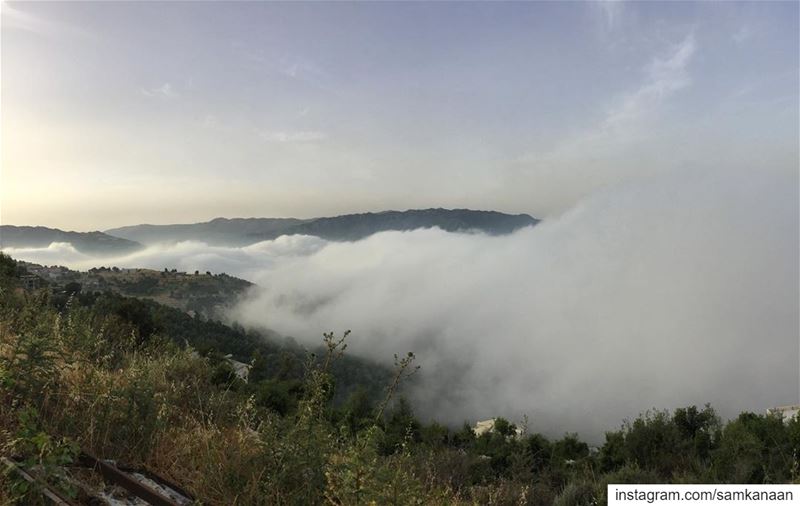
{"x": 210, "y": 121}
{"x": 665, "y": 77}
{"x": 302, "y": 69}
{"x": 185, "y": 255}
{"x": 292, "y": 136}
{"x": 742, "y": 35}
{"x": 654, "y": 294}
{"x": 675, "y": 290}
{"x": 294, "y": 67}
{"x": 164, "y": 91}
{"x": 19, "y": 19}
{"x": 624, "y": 144}
{"x": 57, "y": 253}
{"x": 611, "y": 11}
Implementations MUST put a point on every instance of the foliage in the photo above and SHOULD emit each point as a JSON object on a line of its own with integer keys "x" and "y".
{"x": 144, "y": 384}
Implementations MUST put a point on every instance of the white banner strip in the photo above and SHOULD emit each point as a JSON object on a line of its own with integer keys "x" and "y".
{"x": 706, "y": 495}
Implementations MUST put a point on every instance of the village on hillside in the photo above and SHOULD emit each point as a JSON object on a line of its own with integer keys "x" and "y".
{"x": 202, "y": 294}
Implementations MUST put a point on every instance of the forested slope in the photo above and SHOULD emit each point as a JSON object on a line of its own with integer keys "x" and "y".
{"x": 147, "y": 385}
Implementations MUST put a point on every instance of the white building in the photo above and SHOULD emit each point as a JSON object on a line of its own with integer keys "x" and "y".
{"x": 785, "y": 412}
{"x": 241, "y": 369}
{"x": 485, "y": 426}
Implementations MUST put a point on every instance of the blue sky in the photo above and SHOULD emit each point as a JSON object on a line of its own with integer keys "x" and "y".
{"x": 117, "y": 113}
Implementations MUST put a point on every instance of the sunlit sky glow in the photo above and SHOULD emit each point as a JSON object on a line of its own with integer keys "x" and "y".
{"x": 118, "y": 113}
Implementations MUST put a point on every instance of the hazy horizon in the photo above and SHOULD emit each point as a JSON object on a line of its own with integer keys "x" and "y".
{"x": 208, "y": 220}
{"x": 120, "y": 113}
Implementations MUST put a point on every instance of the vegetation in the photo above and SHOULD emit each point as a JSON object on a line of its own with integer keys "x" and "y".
{"x": 137, "y": 382}
{"x": 207, "y": 295}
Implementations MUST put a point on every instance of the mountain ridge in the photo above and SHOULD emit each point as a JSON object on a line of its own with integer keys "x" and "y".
{"x": 95, "y": 242}
{"x": 348, "y": 227}
{"x": 239, "y": 232}
{"x": 224, "y": 231}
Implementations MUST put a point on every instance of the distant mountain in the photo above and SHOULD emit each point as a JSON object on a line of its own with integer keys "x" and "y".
{"x": 220, "y": 231}
{"x": 94, "y": 243}
{"x": 350, "y": 227}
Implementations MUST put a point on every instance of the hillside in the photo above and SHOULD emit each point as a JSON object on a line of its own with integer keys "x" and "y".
{"x": 219, "y": 231}
{"x": 93, "y": 243}
{"x": 241, "y": 231}
{"x": 201, "y": 293}
{"x": 153, "y": 304}
{"x": 140, "y": 384}
{"x": 352, "y": 227}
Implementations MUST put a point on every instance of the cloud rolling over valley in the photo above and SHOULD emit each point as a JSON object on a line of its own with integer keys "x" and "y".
{"x": 665, "y": 292}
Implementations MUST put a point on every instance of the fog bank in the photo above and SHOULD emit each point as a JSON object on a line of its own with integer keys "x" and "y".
{"x": 660, "y": 293}
{"x": 676, "y": 290}
{"x": 245, "y": 262}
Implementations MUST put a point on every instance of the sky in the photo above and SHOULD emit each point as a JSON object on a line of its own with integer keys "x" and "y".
{"x": 118, "y": 113}
{"x": 658, "y": 142}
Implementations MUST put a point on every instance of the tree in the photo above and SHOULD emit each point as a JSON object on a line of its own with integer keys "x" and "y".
{"x": 72, "y": 288}
{"x": 612, "y": 453}
{"x": 697, "y": 428}
{"x": 465, "y": 437}
{"x": 504, "y": 427}
{"x": 537, "y": 449}
{"x": 359, "y": 412}
{"x": 738, "y": 459}
{"x": 8, "y": 266}
{"x": 569, "y": 448}
{"x": 400, "y": 427}
{"x": 652, "y": 441}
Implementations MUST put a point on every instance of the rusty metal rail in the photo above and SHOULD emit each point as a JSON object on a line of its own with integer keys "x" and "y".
{"x": 122, "y": 477}
{"x": 46, "y": 490}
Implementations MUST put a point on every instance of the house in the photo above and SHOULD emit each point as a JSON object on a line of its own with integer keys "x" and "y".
{"x": 30, "y": 282}
{"x": 487, "y": 426}
{"x": 787, "y": 413}
{"x": 483, "y": 427}
{"x": 241, "y": 369}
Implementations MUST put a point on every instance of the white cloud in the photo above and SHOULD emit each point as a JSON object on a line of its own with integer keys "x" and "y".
{"x": 611, "y": 10}
{"x": 293, "y": 67}
{"x": 293, "y": 136}
{"x": 164, "y": 91}
{"x": 742, "y": 35}
{"x": 19, "y": 19}
{"x": 297, "y": 68}
{"x": 57, "y": 253}
{"x": 624, "y": 144}
{"x": 665, "y": 76}
{"x": 655, "y": 294}
{"x": 660, "y": 293}
{"x": 186, "y": 256}
{"x": 210, "y": 121}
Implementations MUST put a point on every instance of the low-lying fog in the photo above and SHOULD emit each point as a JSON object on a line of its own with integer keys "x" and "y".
{"x": 660, "y": 293}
